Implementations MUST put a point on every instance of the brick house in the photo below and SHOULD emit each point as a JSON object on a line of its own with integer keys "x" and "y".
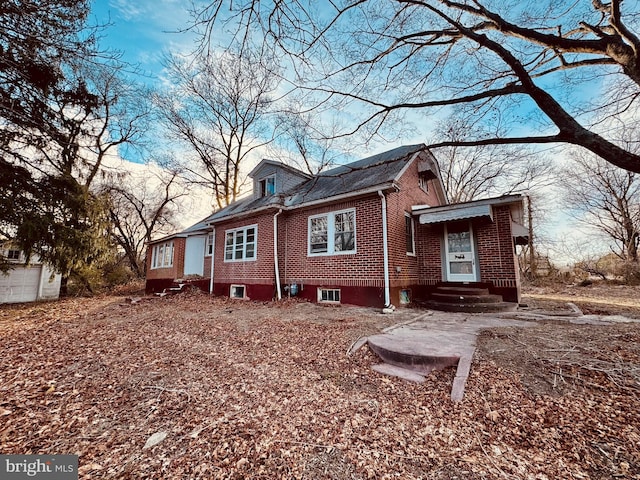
{"x": 376, "y": 232}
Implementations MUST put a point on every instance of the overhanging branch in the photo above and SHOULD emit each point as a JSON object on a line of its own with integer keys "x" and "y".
{"x": 498, "y": 141}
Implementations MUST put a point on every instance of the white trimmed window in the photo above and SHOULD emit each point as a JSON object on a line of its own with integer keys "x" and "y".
{"x": 13, "y": 255}
{"x": 208, "y": 248}
{"x": 162, "y": 255}
{"x": 240, "y": 244}
{"x": 237, "y": 291}
{"x": 268, "y": 186}
{"x": 410, "y": 234}
{"x": 332, "y": 233}
{"x": 328, "y": 295}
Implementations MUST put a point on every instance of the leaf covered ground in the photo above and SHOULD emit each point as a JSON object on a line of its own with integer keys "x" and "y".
{"x": 191, "y": 386}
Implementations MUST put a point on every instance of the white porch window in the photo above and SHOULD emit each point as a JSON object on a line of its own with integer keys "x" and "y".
{"x": 162, "y": 255}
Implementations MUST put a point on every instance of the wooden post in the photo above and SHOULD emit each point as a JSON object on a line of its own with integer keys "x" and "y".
{"x": 532, "y": 256}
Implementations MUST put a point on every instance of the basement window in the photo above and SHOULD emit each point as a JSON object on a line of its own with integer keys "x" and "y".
{"x": 237, "y": 291}
{"x": 405, "y": 297}
{"x": 328, "y": 295}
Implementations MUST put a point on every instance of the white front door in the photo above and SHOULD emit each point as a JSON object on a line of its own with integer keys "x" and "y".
{"x": 460, "y": 256}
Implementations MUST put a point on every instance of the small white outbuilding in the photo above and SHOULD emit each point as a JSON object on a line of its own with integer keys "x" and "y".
{"x": 27, "y": 282}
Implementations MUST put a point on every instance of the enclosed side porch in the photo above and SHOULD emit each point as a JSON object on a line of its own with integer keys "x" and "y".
{"x": 467, "y": 251}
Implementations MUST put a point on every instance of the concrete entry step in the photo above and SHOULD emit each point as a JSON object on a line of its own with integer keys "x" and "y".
{"x": 462, "y": 290}
{"x": 461, "y": 306}
{"x": 465, "y": 298}
{"x": 412, "y": 355}
{"x": 400, "y": 372}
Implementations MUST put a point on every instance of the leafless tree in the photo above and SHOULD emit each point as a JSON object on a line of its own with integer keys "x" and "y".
{"x": 218, "y": 110}
{"x": 140, "y": 207}
{"x": 470, "y": 173}
{"x": 304, "y": 141}
{"x": 523, "y": 59}
{"x": 606, "y": 199}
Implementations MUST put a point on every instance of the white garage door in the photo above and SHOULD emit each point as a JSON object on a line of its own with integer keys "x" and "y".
{"x": 21, "y": 285}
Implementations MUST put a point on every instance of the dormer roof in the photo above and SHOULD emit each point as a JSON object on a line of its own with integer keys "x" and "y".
{"x": 274, "y": 163}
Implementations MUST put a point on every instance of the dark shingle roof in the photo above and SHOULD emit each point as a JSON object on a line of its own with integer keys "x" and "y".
{"x": 367, "y": 173}
{"x": 377, "y": 170}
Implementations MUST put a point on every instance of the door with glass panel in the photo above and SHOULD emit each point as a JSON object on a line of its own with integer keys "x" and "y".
{"x": 460, "y": 255}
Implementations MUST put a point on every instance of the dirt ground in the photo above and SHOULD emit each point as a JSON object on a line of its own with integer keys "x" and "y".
{"x": 197, "y": 387}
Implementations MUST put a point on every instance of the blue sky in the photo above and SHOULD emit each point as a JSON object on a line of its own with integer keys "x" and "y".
{"x": 143, "y": 29}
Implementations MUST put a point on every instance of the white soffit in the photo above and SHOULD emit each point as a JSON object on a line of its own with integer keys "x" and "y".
{"x": 452, "y": 214}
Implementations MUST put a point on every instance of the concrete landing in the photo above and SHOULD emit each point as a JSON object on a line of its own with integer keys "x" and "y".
{"x": 434, "y": 341}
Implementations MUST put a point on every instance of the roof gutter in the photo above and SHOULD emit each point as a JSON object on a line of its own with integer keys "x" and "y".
{"x": 275, "y": 253}
{"x": 385, "y": 251}
{"x": 345, "y": 196}
{"x": 213, "y": 257}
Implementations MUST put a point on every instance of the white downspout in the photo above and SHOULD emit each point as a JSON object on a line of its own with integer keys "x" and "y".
{"x": 275, "y": 253}
{"x": 385, "y": 248}
{"x": 213, "y": 257}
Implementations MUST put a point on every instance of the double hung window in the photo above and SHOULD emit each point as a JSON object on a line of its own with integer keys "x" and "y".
{"x": 240, "y": 244}
{"x": 208, "y": 250}
{"x": 268, "y": 186}
{"x": 332, "y": 233}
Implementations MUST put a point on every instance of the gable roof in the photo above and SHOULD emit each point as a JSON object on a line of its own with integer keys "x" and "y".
{"x": 265, "y": 161}
{"x": 362, "y": 176}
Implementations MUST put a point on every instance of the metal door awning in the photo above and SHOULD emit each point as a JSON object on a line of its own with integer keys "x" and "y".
{"x": 452, "y": 213}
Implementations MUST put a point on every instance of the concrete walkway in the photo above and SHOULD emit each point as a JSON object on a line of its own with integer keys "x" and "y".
{"x": 436, "y": 340}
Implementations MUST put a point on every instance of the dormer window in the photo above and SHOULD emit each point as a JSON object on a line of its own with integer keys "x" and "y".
{"x": 423, "y": 182}
{"x": 268, "y": 186}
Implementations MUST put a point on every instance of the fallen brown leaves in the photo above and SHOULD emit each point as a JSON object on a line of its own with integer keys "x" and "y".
{"x": 195, "y": 387}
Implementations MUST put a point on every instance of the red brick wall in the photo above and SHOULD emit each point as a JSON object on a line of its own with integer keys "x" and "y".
{"x": 174, "y": 272}
{"x": 496, "y": 253}
{"x": 399, "y": 203}
{"x": 361, "y": 269}
{"x": 259, "y": 272}
{"x": 430, "y": 239}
